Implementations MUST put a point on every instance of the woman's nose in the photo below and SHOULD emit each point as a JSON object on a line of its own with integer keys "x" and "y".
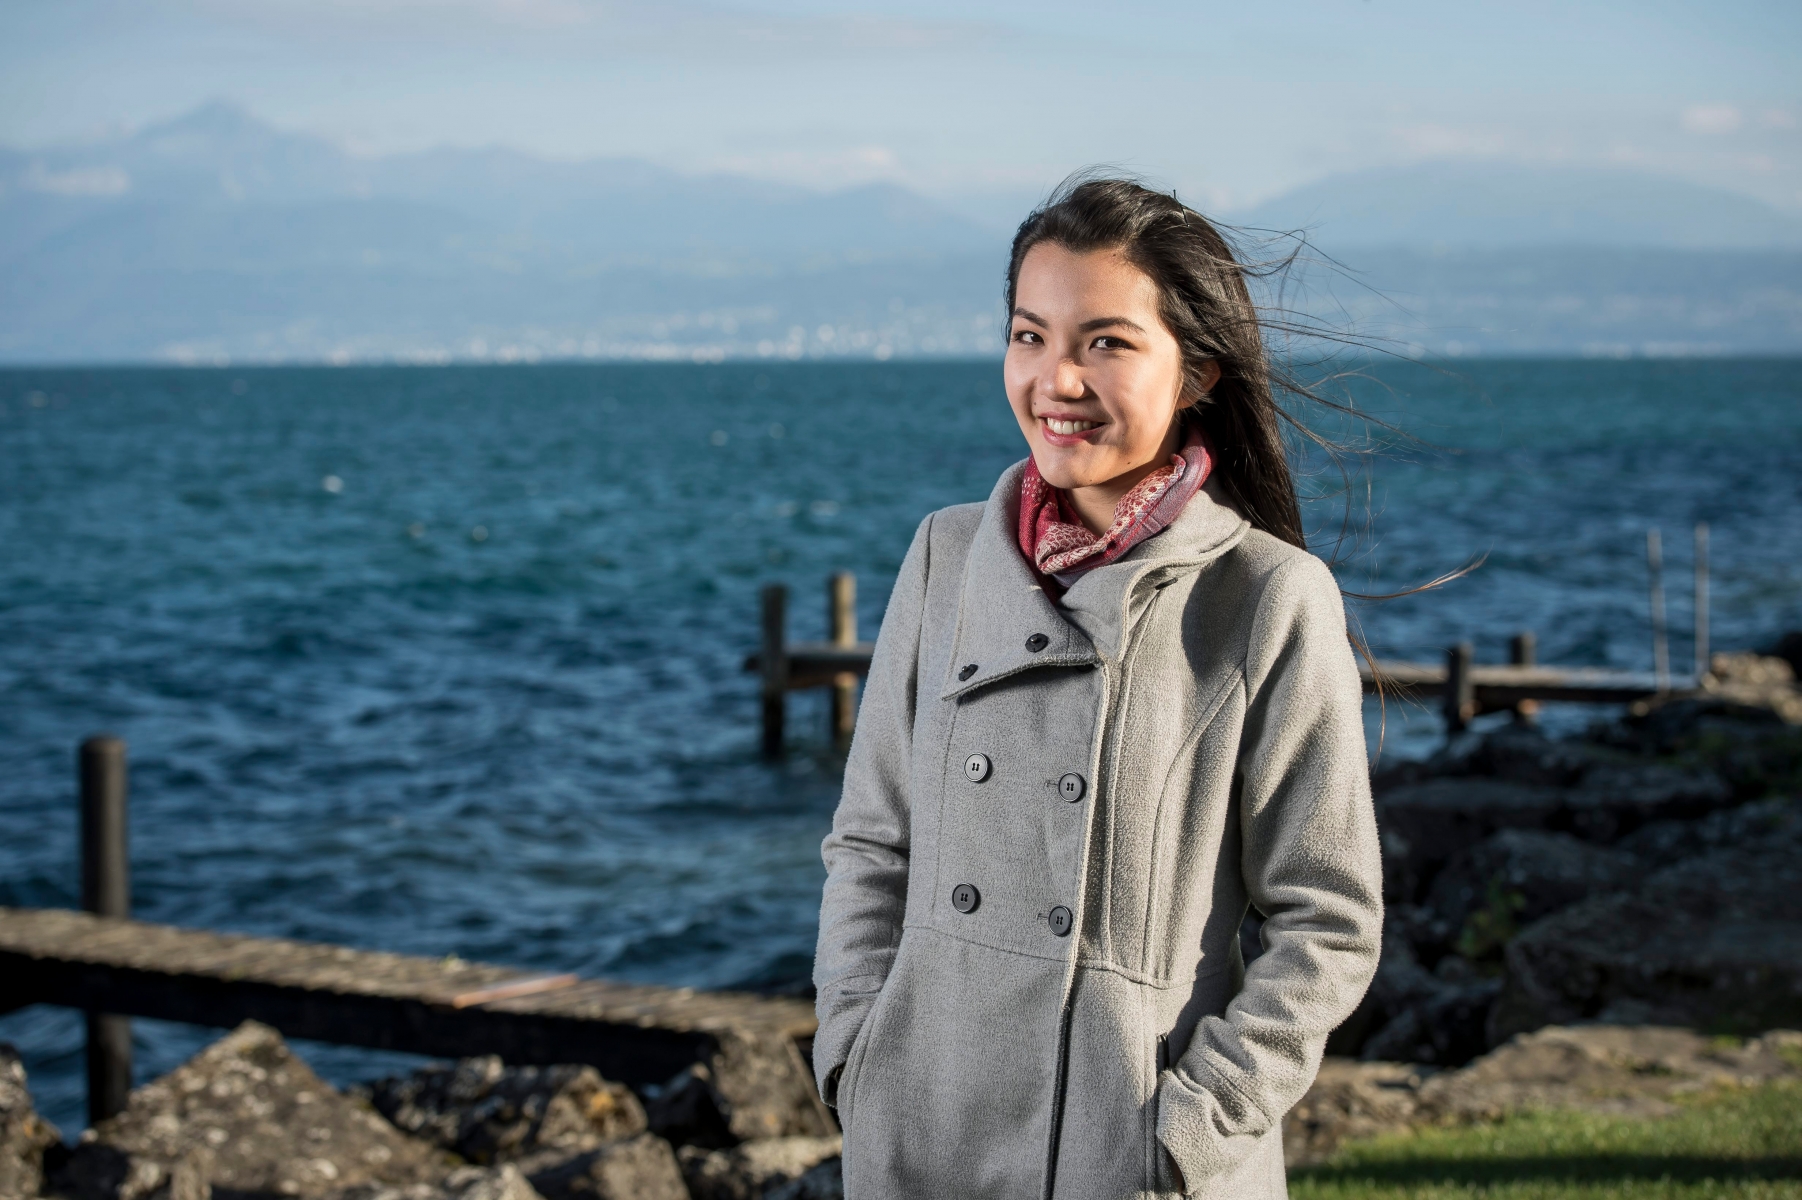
{"x": 1067, "y": 382}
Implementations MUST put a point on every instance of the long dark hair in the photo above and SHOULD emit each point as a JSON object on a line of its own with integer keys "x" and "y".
{"x": 1206, "y": 303}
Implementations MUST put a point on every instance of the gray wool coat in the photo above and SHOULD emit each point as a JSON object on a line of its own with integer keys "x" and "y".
{"x": 1054, "y": 817}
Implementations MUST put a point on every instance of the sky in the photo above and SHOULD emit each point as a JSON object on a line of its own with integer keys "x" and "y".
{"x": 980, "y": 103}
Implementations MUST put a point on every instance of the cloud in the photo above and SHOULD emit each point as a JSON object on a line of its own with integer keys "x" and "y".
{"x": 82, "y": 181}
{"x": 1443, "y": 141}
{"x": 612, "y": 27}
{"x": 820, "y": 169}
{"x": 1711, "y": 118}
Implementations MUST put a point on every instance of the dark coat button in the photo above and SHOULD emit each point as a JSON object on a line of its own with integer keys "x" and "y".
{"x": 965, "y": 898}
{"x": 1071, "y": 787}
{"x": 976, "y": 768}
{"x": 968, "y": 670}
{"x": 1037, "y": 642}
{"x": 1061, "y": 920}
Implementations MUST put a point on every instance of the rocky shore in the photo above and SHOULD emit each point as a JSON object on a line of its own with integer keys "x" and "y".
{"x": 1647, "y": 873}
{"x": 246, "y": 1117}
{"x": 1603, "y": 922}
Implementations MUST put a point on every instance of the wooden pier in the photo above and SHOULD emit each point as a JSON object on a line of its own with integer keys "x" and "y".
{"x": 439, "y": 1007}
{"x": 787, "y": 666}
{"x": 114, "y": 968}
{"x": 444, "y": 1008}
{"x": 1467, "y": 689}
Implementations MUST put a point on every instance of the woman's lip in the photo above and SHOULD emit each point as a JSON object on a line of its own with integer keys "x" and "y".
{"x": 1066, "y": 439}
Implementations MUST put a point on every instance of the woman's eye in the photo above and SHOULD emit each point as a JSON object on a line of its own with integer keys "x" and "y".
{"x": 1026, "y": 336}
{"x": 1110, "y": 343}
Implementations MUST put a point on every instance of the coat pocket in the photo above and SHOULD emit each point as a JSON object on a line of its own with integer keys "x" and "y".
{"x": 1165, "y": 1178}
{"x": 860, "y": 1050}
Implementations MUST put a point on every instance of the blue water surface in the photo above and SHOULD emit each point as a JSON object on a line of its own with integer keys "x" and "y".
{"x": 449, "y": 661}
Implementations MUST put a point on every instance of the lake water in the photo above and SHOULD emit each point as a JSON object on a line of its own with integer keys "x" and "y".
{"x": 449, "y": 660}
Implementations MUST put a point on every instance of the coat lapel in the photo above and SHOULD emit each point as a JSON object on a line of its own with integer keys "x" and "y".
{"x": 1105, "y": 602}
{"x": 1002, "y": 605}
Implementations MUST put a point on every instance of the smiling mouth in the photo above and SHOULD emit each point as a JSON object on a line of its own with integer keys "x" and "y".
{"x": 1069, "y": 427}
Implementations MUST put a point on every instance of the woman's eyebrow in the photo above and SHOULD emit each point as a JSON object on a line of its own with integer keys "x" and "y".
{"x": 1086, "y": 326}
{"x": 1104, "y": 322}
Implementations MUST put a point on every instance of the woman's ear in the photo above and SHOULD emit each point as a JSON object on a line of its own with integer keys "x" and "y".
{"x": 1209, "y": 376}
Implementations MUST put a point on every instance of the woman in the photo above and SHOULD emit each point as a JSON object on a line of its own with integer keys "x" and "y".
{"x": 1109, "y": 710}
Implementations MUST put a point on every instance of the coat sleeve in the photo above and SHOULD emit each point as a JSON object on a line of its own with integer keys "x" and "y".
{"x": 867, "y": 851}
{"x": 1311, "y": 865}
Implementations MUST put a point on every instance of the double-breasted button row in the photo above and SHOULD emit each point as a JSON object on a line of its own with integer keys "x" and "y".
{"x": 1072, "y": 787}
{"x": 965, "y": 899}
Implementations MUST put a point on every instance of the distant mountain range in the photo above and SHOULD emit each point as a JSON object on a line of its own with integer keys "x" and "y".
{"x": 215, "y": 237}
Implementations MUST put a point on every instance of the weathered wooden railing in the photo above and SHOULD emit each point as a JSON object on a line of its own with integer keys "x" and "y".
{"x": 787, "y": 666}
{"x": 115, "y": 968}
{"x": 1467, "y": 689}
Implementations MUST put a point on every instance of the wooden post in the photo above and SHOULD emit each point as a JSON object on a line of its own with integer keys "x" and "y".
{"x": 1661, "y": 649}
{"x": 105, "y": 890}
{"x": 774, "y": 662}
{"x": 841, "y": 625}
{"x": 1702, "y": 664}
{"x": 1460, "y": 688}
{"x": 1523, "y": 651}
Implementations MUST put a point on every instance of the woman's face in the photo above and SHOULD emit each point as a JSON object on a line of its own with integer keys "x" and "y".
{"x": 1093, "y": 375}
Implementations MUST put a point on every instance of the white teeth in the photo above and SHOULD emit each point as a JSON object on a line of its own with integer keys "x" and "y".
{"x": 1068, "y": 427}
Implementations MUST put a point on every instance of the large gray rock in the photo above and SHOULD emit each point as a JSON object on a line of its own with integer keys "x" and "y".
{"x": 1745, "y": 723}
{"x": 1714, "y": 942}
{"x": 24, "y": 1136}
{"x": 1627, "y": 1070}
{"x": 767, "y": 1088}
{"x": 689, "y": 1110}
{"x": 1425, "y": 825}
{"x": 1524, "y": 754}
{"x": 505, "y": 1182}
{"x": 824, "y": 1182}
{"x": 1486, "y": 893}
{"x": 641, "y": 1167}
{"x": 751, "y": 1170}
{"x": 1613, "y": 799}
{"x": 1630, "y": 1071}
{"x": 1666, "y": 843}
{"x": 243, "y": 1115}
{"x": 752, "y": 1087}
{"x": 573, "y": 1134}
{"x": 1758, "y": 680}
{"x": 1446, "y": 1026}
{"x": 1349, "y": 1100}
{"x": 489, "y": 1112}
{"x": 1413, "y": 1014}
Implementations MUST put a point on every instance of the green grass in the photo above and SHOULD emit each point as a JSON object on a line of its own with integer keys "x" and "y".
{"x": 1741, "y": 1143}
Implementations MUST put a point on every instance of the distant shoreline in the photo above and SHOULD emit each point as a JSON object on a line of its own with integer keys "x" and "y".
{"x": 825, "y": 360}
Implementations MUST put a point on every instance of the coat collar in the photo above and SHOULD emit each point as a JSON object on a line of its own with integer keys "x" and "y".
{"x": 1002, "y": 604}
{"x": 1105, "y": 602}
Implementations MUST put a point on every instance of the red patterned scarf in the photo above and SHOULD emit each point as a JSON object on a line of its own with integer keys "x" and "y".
{"x": 1060, "y": 546}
